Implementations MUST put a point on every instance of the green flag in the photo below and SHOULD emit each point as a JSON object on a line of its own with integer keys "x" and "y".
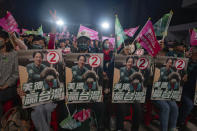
{"x": 161, "y": 26}
{"x": 119, "y": 32}
{"x": 30, "y": 32}
{"x": 40, "y": 31}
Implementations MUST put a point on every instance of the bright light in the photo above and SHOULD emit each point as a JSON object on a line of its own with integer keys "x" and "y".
{"x": 105, "y": 25}
{"x": 60, "y": 22}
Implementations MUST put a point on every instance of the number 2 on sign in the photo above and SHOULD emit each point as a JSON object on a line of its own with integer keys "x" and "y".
{"x": 180, "y": 64}
{"x": 142, "y": 61}
{"x": 94, "y": 61}
{"x": 53, "y": 57}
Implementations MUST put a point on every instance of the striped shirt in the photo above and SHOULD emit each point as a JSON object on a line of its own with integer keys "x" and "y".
{"x": 9, "y": 68}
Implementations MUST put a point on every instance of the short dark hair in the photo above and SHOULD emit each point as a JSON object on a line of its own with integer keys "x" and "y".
{"x": 84, "y": 38}
{"x": 34, "y": 54}
{"x": 31, "y": 35}
{"x": 104, "y": 43}
{"x": 68, "y": 40}
{"x": 37, "y": 38}
{"x": 128, "y": 41}
{"x": 80, "y": 56}
{"x": 168, "y": 60}
{"x": 4, "y": 35}
{"x": 61, "y": 40}
{"x": 130, "y": 58}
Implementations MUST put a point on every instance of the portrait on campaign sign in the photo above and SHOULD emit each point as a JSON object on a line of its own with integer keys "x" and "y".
{"x": 195, "y": 98}
{"x": 84, "y": 78}
{"x": 130, "y": 78}
{"x": 168, "y": 78}
{"x": 42, "y": 76}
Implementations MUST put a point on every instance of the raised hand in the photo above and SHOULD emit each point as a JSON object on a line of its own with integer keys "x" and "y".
{"x": 53, "y": 15}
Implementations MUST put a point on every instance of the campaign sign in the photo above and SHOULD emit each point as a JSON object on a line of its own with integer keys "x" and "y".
{"x": 42, "y": 76}
{"x": 84, "y": 77}
{"x": 168, "y": 78}
{"x": 131, "y": 75}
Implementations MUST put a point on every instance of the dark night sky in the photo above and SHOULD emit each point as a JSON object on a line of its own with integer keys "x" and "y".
{"x": 32, "y": 13}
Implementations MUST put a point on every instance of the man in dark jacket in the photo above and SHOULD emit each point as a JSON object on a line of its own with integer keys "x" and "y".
{"x": 187, "y": 101}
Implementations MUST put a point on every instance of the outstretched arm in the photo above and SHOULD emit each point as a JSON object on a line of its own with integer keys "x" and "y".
{"x": 51, "y": 44}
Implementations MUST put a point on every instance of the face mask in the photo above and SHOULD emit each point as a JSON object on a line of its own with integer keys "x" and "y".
{"x": 1, "y": 44}
{"x": 36, "y": 46}
{"x": 106, "y": 46}
{"x": 83, "y": 46}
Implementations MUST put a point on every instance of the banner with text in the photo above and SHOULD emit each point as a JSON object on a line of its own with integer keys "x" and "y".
{"x": 8, "y": 23}
{"x": 168, "y": 78}
{"x": 84, "y": 77}
{"x": 130, "y": 78}
{"x": 42, "y": 76}
{"x": 91, "y": 33}
{"x": 148, "y": 40}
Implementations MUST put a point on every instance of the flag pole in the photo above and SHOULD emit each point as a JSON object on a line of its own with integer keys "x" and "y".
{"x": 115, "y": 35}
{"x": 168, "y": 23}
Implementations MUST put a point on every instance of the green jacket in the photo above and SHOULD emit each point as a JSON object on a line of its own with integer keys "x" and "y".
{"x": 78, "y": 73}
{"x": 164, "y": 74}
{"x": 124, "y": 74}
{"x": 34, "y": 72}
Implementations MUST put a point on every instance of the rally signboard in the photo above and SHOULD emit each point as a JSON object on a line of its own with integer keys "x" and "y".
{"x": 130, "y": 78}
{"x": 84, "y": 78}
{"x": 169, "y": 78}
{"x": 41, "y": 76}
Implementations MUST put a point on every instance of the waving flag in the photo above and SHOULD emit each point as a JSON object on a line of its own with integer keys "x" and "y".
{"x": 148, "y": 40}
{"x": 92, "y": 33}
{"x": 131, "y": 31}
{"x": 30, "y": 32}
{"x": 8, "y": 23}
{"x": 161, "y": 26}
{"x": 119, "y": 32}
{"x": 40, "y": 31}
{"x": 193, "y": 37}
